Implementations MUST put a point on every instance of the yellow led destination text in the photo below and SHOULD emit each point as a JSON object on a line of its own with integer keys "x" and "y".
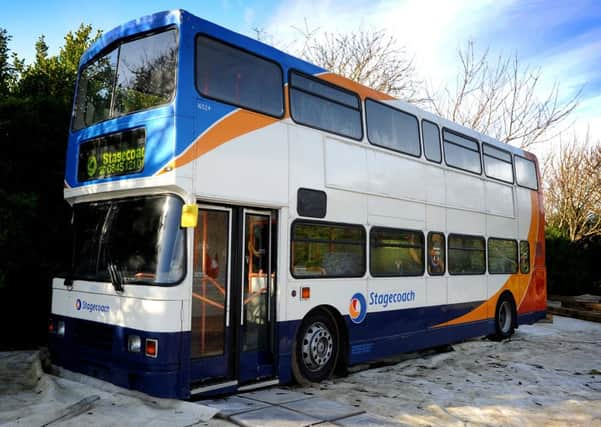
{"x": 115, "y": 162}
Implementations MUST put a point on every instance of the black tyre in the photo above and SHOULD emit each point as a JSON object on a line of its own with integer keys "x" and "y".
{"x": 316, "y": 348}
{"x": 504, "y": 318}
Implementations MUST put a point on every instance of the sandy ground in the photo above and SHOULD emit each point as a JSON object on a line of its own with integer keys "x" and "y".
{"x": 30, "y": 397}
{"x": 546, "y": 374}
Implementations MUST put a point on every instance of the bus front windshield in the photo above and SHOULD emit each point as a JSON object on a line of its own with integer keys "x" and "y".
{"x": 139, "y": 237}
{"x": 135, "y": 75}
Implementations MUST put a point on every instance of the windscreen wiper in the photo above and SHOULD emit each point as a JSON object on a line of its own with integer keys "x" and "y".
{"x": 116, "y": 277}
{"x": 113, "y": 270}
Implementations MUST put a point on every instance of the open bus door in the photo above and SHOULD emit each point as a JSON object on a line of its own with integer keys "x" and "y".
{"x": 232, "y": 340}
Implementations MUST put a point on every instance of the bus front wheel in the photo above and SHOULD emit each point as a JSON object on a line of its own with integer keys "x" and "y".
{"x": 316, "y": 348}
{"x": 504, "y": 318}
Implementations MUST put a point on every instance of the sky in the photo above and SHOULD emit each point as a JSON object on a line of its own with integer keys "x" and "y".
{"x": 561, "y": 38}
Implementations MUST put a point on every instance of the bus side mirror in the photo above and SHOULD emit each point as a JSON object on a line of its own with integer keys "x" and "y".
{"x": 190, "y": 215}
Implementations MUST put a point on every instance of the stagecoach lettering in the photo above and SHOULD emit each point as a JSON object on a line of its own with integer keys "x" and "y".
{"x": 390, "y": 298}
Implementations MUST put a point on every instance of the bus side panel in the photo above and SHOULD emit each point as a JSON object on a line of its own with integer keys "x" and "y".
{"x": 381, "y": 334}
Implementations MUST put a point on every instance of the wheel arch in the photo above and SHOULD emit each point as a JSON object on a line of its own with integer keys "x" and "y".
{"x": 338, "y": 319}
{"x": 509, "y": 295}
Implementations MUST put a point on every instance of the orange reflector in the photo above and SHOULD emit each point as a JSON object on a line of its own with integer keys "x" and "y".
{"x": 152, "y": 347}
{"x": 305, "y": 293}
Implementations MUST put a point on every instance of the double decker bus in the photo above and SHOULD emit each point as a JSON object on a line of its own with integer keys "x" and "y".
{"x": 243, "y": 218}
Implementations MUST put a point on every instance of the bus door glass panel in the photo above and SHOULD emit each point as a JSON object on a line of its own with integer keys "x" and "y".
{"x": 210, "y": 283}
{"x": 256, "y": 283}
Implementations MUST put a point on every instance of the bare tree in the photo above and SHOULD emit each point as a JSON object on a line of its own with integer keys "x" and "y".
{"x": 370, "y": 57}
{"x": 502, "y": 98}
{"x": 573, "y": 188}
{"x": 263, "y": 35}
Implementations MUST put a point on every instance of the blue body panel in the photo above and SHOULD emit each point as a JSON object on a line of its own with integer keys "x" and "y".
{"x": 365, "y": 346}
{"x": 168, "y": 375}
{"x": 171, "y": 128}
{"x": 100, "y": 351}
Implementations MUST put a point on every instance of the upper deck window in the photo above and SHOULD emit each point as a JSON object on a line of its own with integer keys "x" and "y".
{"x": 431, "y": 136}
{"x": 136, "y": 75}
{"x": 497, "y": 163}
{"x": 461, "y": 152}
{"x": 231, "y": 75}
{"x": 318, "y": 104}
{"x": 391, "y": 128}
{"x": 525, "y": 172}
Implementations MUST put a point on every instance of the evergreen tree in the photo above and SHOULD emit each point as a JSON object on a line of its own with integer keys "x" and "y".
{"x": 6, "y": 71}
{"x": 41, "y": 50}
{"x": 35, "y": 242}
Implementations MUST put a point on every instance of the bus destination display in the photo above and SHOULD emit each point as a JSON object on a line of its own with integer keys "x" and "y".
{"x": 112, "y": 155}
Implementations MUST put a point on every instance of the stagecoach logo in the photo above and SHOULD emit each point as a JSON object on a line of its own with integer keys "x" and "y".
{"x": 86, "y": 306}
{"x": 358, "y": 308}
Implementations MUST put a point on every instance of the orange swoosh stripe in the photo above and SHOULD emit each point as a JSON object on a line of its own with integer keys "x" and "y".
{"x": 535, "y": 295}
{"x": 236, "y": 124}
{"x": 362, "y": 91}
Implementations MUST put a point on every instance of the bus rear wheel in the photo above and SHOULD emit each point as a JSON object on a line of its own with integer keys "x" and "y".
{"x": 504, "y": 318}
{"x": 316, "y": 348}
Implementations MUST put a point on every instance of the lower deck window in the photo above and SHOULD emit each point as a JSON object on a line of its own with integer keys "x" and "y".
{"x": 502, "y": 256}
{"x": 525, "y": 256}
{"x": 466, "y": 254}
{"x": 327, "y": 250}
{"x": 436, "y": 254}
{"x": 396, "y": 252}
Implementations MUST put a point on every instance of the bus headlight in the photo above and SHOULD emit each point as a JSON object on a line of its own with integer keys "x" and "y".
{"x": 60, "y": 328}
{"x": 134, "y": 344}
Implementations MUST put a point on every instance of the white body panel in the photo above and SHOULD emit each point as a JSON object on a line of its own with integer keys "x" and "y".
{"x": 465, "y": 191}
{"x": 466, "y": 288}
{"x": 255, "y": 173}
{"x": 346, "y": 166}
{"x": 499, "y": 199}
{"x": 524, "y": 212}
{"x": 365, "y": 185}
{"x": 333, "y": 292}
{"x": 372, "y": 186}
{"x": 436, "y": 290}
{"x": 98, "y": 304}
